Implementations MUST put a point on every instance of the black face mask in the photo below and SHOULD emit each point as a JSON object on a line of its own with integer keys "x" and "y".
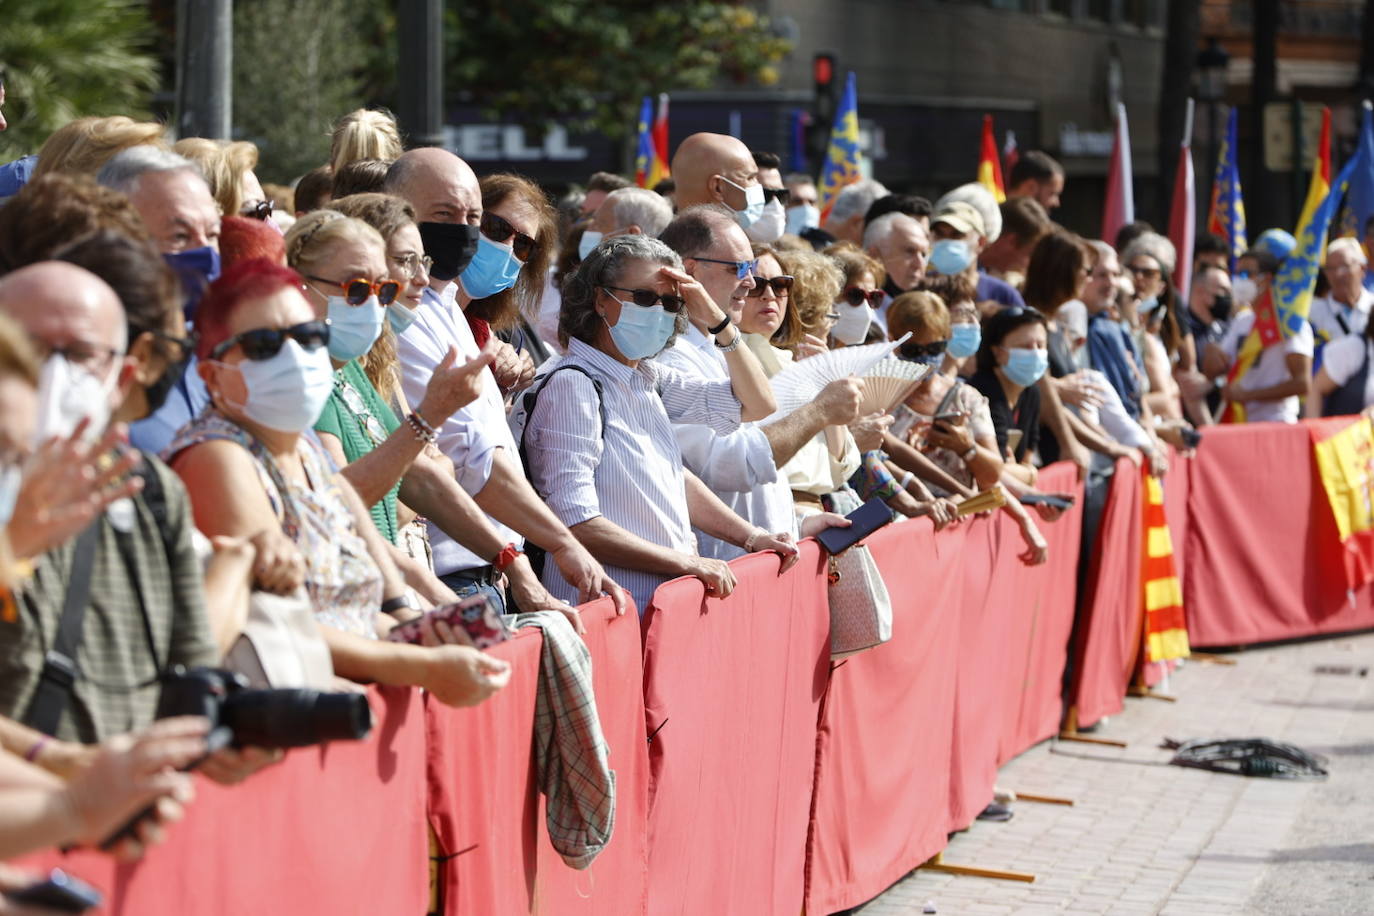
{"x": 892, "y": 289}
{"x": 1221, "y": 307}
{"x": 451, "y": 245}
{"x": 157, "y": 392}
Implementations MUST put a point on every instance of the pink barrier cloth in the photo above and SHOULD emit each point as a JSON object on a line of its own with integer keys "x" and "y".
{"x": 331, "y": 830}
{"x": 732, "y": 689}
{"x": 886, "y": 731}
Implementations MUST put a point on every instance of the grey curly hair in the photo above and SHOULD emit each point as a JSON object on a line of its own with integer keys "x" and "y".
{"x": 577, "y": 318}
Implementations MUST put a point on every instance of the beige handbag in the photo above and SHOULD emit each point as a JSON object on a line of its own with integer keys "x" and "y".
{"x": 860, "y": 607}
{"x": 281, "y": 645}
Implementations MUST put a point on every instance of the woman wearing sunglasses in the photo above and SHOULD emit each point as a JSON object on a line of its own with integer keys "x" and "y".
{"x": 597, "y": 432}
{"x": 251, "y": 463}
{"x": 861, "y": 294}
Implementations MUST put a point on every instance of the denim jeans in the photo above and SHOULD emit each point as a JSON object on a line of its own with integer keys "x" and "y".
{"x": 465, "y": 586}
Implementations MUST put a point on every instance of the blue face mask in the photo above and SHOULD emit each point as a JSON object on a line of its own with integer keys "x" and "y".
{"x": 400, "y": 317}
{"x": 494, "y": 269}
{"x": 802, "y": 217}
{"x": 753, "y": 203}
{"x": 951, "y": 256}
{"x": 196, "y": 268}
{"x": 1025, "y": 367}
{"x": 964, "y": 340}
{"x": 641, "y": 331}
{"x": 590, "y": 239}
{"x": 353, "y": 329}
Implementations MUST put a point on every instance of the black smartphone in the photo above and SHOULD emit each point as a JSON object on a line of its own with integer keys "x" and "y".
{"x": 60, "y": 892}
{"x": 865, "y": 520}
{"x": 1046, "y": 499}
{"x": 947, "y": 417}
{"x": 1191, "y": 437}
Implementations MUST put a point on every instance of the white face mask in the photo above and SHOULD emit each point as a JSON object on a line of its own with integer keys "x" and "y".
{"x": 768, "y": 229}
{"x": 1243, "y": 289}
{"x": 801, "y": 217}
{"x": 68, "y": 394}
{"x": 288, "y": 391}
{"x": 590, "y": 239}
{"x": 11, "y": 477}
{"x": 852, "y": 325}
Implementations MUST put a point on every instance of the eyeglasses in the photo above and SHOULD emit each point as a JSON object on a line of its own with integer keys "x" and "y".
{"x": 916, "y": 351}
{"x": 413, "y": 263}
{"x": 95, "y": 360}
{"x": 357, "y": 290}
{"x": 648, "y": 298}
{"x": 781, "y": 287}
{"x": 177, "y": 347}
{"x": 742, "y": 268}
{"x": 1147, "y": 272}
{"x": 781, "y": 195}
{"x": 261, "y": 210}
{"x": 499, "y": 229}
{"x": 265, "y": 343}
{"x": 856, "y": 296}
{"x": 832, "y": 317}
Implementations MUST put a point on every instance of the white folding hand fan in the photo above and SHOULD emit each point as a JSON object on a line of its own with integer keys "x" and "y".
{"x": 888, "y": 382}
{"x": 798, "y": 384}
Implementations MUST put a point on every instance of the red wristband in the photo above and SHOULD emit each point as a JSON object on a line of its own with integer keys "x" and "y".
{"x": 505, "y": 558}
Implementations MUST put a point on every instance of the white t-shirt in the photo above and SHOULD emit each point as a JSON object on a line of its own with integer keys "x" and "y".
{"x": 1343, "y": 359}
{"x": 1326, "y": 324}
{"x": 1271, "y": 368}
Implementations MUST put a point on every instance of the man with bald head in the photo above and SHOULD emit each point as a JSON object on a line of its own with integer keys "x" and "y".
{"x": 718, "y": 169}
{"x": 902, "y": 244}
{"x": 144, "y": 608}
{"x": 443, "y": 190}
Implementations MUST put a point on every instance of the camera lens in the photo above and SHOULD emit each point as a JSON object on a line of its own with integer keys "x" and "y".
{"x": 296, "y": 718}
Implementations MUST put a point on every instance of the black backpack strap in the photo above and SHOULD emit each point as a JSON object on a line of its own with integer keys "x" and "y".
{"x": 533, "y": 552}
{"x": 59, "y": 664}
{"x": 154, "y": 497}
{"x": 1348, "y": 399}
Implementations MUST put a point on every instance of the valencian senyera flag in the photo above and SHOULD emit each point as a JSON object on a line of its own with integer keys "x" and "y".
{"x": 1344, "y": 452}
{"x": 842, "y": 159}
{"x": 1226, "y": 217}
{"x": 651, "y": 152}
{"x": 989, "y": 165}
{"x": 1166, "y": 630}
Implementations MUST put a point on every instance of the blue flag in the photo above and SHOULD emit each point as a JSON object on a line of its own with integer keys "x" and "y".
{"x": 842, "y": 161}
{"x": 1226, "y": 217}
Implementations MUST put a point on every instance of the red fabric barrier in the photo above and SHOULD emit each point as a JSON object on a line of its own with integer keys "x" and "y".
{"x": 483, "y": 799}
{"x": 1038, "y": 633}
{"x": 1258, "y": 522}
{"x": 331, "y": 830}
{"x": 732, "y": 688}
{"x": 1109, "y": 639}
{"x": 617, "y": 882}
{"x": 886, "y": 730}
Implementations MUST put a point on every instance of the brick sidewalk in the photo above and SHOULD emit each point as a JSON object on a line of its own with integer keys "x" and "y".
{"x": 1146, "y": 838}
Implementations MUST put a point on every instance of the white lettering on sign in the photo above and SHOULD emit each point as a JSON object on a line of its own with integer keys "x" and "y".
{"x": 508, "y": 142}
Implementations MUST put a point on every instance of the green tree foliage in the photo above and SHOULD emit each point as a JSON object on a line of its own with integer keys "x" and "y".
{"x": 296, "y": 65}
{"x": 588, "y": 62}
{"x": 66, "y": 59}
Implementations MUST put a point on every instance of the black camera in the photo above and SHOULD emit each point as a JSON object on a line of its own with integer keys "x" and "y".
{"x": 287, "y": 717}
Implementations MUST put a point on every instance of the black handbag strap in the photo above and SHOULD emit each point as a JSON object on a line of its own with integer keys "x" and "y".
{"x": 59, "y": 665}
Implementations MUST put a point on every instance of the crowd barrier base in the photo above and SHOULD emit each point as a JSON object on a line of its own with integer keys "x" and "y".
{"x": 753, "y": 775}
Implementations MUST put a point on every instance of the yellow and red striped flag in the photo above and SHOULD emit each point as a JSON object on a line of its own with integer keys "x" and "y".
{"x": 989, "y": 164}
{"x": 1166, "y": 629}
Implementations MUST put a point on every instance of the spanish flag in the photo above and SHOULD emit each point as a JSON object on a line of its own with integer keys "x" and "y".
{"x": 651, "y": 152}
{"x": 1166, "y": 630}
{"x": 1344, "y": 452}
{"x": 989, "y": 165}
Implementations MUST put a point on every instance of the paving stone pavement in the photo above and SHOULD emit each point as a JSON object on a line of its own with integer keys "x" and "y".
{"x": 1147, "y": 838}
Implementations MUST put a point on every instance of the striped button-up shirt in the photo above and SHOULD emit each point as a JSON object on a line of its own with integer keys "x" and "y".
{"x": 631, "y": 472}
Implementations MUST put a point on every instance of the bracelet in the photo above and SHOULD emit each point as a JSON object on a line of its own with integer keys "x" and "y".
{"x": 423, "y": 431}
{"x": 752, "y": 540}
{"x": 733, "y": 345}
{"x": 969, "y": 455}
{"x": 906, "y": 481}
{"x": 403, "y": 600}
{"x": 32, "y": 753}
{"x": 724, "y": 323}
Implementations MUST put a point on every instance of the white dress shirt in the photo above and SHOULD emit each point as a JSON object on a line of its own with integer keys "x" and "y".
{"x": 1327, "y": 315}
{"x": 473, "y": 434}
{"x": 737, "y": 467}
{"x": 1271, "y": 368}
{"x": 630, "y": 472}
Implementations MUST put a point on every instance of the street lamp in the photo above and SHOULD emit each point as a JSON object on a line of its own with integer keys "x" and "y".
{"x": 1211, "y": 89}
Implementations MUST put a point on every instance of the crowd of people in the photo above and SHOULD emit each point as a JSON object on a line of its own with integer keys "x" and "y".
{"x": 353, "y": 392}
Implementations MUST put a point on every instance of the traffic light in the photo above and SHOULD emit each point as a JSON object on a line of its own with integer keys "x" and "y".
{"x": 823, "y": 114}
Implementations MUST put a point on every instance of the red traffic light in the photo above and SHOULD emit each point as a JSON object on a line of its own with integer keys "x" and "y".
{"x": 823, "y": 69}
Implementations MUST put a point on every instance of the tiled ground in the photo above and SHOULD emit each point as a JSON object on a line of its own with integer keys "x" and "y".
{"x": 1146, "y": 838}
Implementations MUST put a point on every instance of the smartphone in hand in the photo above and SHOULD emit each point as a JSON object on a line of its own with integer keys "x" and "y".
{"x": 474, "y": 615}
{"x": 59, "y": 892}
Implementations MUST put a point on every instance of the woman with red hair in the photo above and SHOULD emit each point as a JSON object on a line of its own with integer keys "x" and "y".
{"x": 252, "y": 463}
{"x": 242, "y": 239}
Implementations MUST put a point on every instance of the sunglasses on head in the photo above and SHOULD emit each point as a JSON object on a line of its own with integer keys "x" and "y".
{"x": 781, "y": 287}
{"x": 647, "y": 298}
{"x": 261, "y": 210}
{"x": 856, "y": 296}
{"x": 916, "y": 351}
{"x": 781, "y": 195}
{"x": 357, "y": 290}
{"x": 499, "y": 229}
{"x": 742, "y": 268}
{"x": 265, "y": 343}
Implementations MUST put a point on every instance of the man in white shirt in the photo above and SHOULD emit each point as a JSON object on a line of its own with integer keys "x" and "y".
{"x": 1345, "y": 309}
{"x": 442, "y": 188}
{"x": 1276, "y": 384}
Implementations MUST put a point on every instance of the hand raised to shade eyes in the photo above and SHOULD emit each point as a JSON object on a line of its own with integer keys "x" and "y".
{"x": 701, "y": 308}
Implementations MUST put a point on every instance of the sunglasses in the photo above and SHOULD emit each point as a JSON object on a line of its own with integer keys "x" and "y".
{"x": 261, "y": 210}
{"x": 357, "y": 290}
{"x": 742, "y": 268}
{"x": 648, "y": 298}
{"x": 499, "y": 229}
{"x": 781, "y": 287}
{"x": 1143, "y": 271}
{"x": 855, "y": 296}
{"x": 781, "y": 195}
{"x": 916, "y": 351}
{"x": 265, "y": 343}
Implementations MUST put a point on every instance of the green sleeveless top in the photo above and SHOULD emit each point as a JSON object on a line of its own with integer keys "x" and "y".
{"x": 358, "y": 417}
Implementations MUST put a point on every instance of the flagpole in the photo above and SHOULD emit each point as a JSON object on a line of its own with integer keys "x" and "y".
{"x": 1188, "y": 125}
